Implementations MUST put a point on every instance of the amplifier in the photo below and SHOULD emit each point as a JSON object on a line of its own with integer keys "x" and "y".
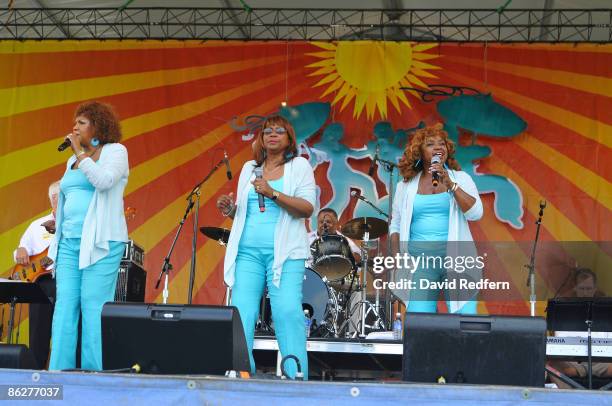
{"x": 134, "y": 253}
{"x": 131, "y": 283}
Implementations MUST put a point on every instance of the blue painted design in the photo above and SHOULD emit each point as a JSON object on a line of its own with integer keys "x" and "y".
{"x": 482, "y": 115}
{"x": 340, "y": 174}
{"x": 477, "y": 113}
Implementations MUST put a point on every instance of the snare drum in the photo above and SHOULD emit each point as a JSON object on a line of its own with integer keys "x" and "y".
{"x": 332, "y": 257}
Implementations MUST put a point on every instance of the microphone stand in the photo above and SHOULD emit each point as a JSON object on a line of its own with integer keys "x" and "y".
{"x": 167, "y": 266}
{"x": 369, "y": 203}
{"x": 389, "y": 167}
{"x": 531, "y": 266}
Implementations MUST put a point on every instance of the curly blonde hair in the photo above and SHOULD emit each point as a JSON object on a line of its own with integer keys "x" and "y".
{"x": 410, "y": 163}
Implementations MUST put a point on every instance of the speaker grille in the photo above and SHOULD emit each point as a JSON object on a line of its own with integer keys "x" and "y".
{"x": 131, "y": 282}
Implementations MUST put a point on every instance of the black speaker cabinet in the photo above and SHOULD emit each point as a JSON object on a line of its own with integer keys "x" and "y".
{"x": 173, "y": 339}
{"x": 495, "y": 350}
{"x": 131, "y": 283}
{"x": 16, "y": 356}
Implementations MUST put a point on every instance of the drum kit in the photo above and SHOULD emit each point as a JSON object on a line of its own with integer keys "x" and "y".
{"x": 335, "y": 284}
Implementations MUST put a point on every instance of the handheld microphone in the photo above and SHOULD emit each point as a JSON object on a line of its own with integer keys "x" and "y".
{"x": 435, "y": 178}
{"x": 259, "y": 174}
{"x": 371, "y": 170}
{"x": 228, "y": 171}
{"x": 64, "y": 144}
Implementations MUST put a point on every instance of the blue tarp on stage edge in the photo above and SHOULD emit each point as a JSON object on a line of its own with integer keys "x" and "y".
{"x": 120, "y": 389}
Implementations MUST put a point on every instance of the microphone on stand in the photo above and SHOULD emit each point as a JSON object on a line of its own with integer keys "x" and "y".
{"x": 371, "y": 170}
{"x": 64, "y": 144}
{"x": 359, "y": 196}
{"x": 228, "y": 170}
{"x": 435, "y": 178}
{"x": 259, "y": 174}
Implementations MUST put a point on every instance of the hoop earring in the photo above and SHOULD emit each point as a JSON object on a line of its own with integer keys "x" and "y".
{"x": 94, "y": 142}
{"x": 417, "y": 163}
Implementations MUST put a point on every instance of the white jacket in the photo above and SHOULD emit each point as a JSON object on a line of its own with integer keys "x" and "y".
{"x": 458, "y": 228}
{"x": 290, "y": 238}
{"x": 105, "y": 218}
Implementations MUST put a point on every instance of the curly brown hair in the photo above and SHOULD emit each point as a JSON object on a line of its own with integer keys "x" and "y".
{"x": 410, "y": 163}
{"x": 259, "y": 154}
{"x": 103, "y": 119}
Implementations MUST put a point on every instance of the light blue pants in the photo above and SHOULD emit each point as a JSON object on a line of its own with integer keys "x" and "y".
{"x": 253, "y": 272}
{"x": 426, "y": 300}
{"x": 81, "y": 291}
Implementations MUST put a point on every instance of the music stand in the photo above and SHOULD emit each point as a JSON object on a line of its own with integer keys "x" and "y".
{"x": 580, "y": 314}
{"x": 14, "y": 292}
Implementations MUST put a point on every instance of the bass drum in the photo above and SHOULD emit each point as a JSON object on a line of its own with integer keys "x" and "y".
{"x": 320, "y": 300}
{"x": 317, "y": 297}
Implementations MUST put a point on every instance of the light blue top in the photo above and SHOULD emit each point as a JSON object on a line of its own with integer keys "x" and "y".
{"x": 291, "y": 238}
{"x": 259, "y": 227}
{"x": 430, "y": 217}
{"x": 78, "y": 193}
{"x": 458, "y": 227}
{"x": 105, "y": 220}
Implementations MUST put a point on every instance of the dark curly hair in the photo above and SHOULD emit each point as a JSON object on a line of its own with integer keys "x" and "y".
{"x": 409, "y": 164}
{"x": 259, "y": 154}
{"x": 103, "y": 119}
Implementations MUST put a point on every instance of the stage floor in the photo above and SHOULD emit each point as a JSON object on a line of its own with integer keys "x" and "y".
{"x": 79, "y": 388}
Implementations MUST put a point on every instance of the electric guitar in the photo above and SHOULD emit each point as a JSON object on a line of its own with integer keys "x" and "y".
{"x": 34, "y": 270}
{"x": 39, "y": 263}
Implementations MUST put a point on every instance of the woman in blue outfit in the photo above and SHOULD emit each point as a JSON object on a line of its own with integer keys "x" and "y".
{"x": 432, "y": 221}
{"x": 268, "y": 248}
{"x": 90, "y": 234}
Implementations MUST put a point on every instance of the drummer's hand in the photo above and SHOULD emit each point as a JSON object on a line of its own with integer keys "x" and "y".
{"x": 442, "y": 174}
{"x": 21, "y": 256}
{"x": 225, "y": 203}
{"x": 262, "y": 186}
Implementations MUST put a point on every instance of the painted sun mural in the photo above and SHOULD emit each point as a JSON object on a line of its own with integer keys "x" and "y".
{"x": 371, "y": 73}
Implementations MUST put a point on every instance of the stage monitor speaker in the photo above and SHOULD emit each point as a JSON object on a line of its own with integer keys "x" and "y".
{"x": 173, "y": 339}
{"x": 493, "y": 350}
{"x": 131, "y": 283}
{"x": 16, "y": 356}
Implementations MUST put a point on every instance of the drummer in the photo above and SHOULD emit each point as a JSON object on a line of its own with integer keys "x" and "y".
{"x": 327, "y": 223}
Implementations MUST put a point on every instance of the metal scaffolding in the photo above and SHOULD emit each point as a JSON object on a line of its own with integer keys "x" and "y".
{"x": 456, "y": 25}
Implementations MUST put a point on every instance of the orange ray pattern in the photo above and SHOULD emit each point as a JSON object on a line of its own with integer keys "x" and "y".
{"x": 177, "y": 100}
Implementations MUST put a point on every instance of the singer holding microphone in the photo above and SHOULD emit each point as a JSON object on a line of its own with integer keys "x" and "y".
{"x": 433, "y": 205}
{"x": 268, "y": 244}
{"x": 90, "y": 234}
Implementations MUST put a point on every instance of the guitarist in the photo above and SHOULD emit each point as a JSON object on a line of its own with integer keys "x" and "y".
{"x": 35, "y": 240}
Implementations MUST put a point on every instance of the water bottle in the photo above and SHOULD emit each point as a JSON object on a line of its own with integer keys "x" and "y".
{"x": 307, "y": 322}
{"x": 397, "y": 327}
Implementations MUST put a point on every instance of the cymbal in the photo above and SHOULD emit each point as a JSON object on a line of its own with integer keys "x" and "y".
{"x": 216, "y": 233}
{"x": 357, "y": 227}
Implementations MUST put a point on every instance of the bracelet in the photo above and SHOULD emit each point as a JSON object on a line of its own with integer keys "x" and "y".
{"x": 454, "y": 188}
{"x": 228, "y": 212}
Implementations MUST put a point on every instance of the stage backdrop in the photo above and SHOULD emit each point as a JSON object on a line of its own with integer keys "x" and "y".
{"x": 532, "y": 122}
